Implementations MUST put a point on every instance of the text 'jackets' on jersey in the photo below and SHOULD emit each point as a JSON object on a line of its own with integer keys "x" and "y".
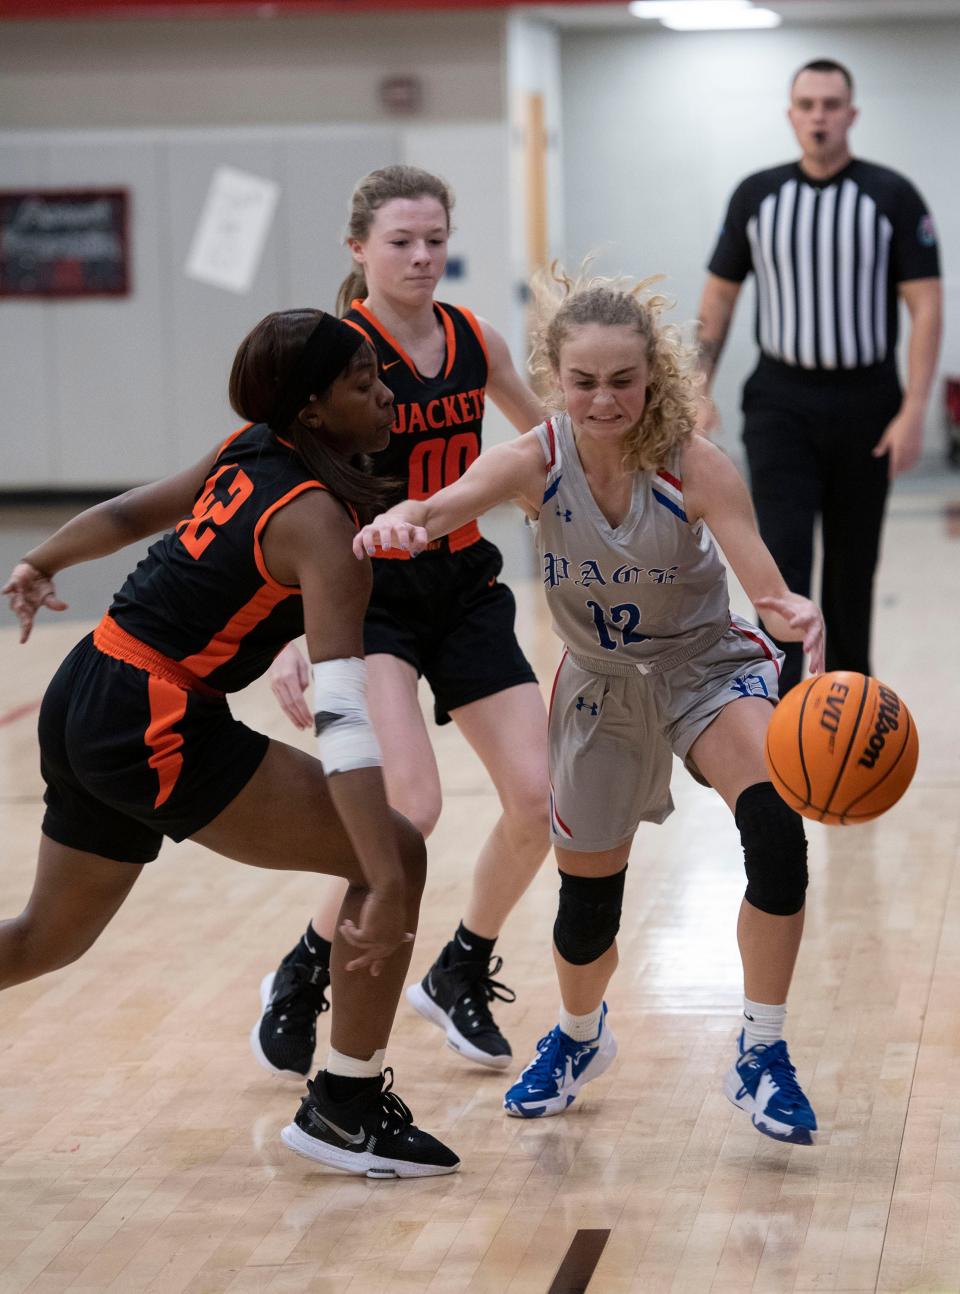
{"x": 438, "y": 419}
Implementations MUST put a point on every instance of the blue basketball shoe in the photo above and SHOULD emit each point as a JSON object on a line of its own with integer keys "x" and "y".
{"x": 558, "y": 1071}
{"x": 764, "y": 1083}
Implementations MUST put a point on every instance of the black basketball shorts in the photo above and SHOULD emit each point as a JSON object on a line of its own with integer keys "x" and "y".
{"x": 129, "y": 757}
{"x": 449, "y": 617}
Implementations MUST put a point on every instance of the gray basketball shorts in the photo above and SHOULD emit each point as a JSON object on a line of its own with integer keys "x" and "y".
{"x": 612, "y": 737}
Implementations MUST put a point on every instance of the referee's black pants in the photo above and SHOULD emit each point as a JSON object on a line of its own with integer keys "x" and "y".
{"x": 808, "y": 437}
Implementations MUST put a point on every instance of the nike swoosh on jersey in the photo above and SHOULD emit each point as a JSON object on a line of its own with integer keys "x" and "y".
{"x": 390, "y": 365}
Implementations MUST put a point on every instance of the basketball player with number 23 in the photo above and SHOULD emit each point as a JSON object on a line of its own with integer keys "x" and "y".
{"x": 626, "y": 502}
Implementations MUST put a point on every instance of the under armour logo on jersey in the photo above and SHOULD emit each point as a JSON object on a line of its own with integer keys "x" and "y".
{"x": 584, "y": 704}
{"x": 564, "y": 514}
{"x": 750, "y": 685}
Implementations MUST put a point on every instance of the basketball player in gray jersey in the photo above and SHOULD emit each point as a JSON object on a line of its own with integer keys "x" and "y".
{"x": 622, "y": 494}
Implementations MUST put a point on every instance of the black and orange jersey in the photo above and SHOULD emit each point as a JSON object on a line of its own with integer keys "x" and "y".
{"x": 203, "y": 596}
{"x": 438, "y": 420}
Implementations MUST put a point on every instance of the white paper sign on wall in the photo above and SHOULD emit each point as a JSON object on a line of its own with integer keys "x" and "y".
{"x": 232, "y": 229}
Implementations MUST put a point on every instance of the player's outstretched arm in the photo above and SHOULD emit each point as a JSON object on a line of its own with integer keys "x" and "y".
{"x": 714, "y": 490}
{"x": 515, "y": 472}
{"x": 102, "y": 529}
{"x": 308, "y": 543}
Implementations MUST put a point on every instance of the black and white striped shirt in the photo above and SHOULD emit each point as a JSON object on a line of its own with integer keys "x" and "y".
{"x": 827, "y": 255}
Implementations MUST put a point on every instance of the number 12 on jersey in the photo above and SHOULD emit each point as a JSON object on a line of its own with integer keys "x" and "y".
{"x": 626, "y": 611}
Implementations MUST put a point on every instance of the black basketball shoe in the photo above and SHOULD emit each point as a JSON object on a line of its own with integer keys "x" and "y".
{"x": 285, "y": 1036}
{"x": 372, "y": 1133}
{"x": 456, "y": 995}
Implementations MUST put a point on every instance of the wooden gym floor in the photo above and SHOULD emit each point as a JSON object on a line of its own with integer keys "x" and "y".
{"x": 139, "y": 1146}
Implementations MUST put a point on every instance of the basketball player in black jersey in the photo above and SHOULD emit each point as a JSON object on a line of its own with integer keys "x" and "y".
{"x": 137, "y": 740}
{"x": 445, "y": 617}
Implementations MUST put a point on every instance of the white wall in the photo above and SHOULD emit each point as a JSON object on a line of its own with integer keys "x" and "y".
{"x": 655, "y": 129}
{"x": 316, "y": 68}
{"x": 109, "y": 392}
{"x": 660, "y": 126}
{"x": 533, "y": 67}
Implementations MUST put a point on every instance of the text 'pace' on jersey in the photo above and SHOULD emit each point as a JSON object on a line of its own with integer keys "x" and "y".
{"x": 203, "y": 596}
{"x": 637, "y": 595}
{"x": 438, "y": 419}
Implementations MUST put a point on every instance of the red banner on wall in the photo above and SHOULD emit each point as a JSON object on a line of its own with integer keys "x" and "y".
{"x": 31, "y": 9}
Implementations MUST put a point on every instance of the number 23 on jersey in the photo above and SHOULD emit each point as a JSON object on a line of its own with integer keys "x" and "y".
{"x": 219, "y": 501}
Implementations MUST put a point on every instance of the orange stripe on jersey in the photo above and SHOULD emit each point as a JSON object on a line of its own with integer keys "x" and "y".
{"x": 450, "y": 336}
{"x": 232, "y": 437}
{"x": 225, "y": 644}
{"x": 168, "y": 705}
{"x": 387, "y": 337}
{"x": 112, "y": 640}
{"x": 352, "y": 323}
{"x": 265, "y": 517}
{"x": 464, "y": 537}
{"x": 354, "y": 515}
{"x": 471, "y": 319}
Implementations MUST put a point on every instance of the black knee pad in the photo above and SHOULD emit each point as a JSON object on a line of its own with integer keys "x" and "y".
{"x": 588, "y": 916}
{"x": 774, "y": 851}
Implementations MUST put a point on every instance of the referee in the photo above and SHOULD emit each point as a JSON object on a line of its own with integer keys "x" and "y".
{"x": 833, "y": 242}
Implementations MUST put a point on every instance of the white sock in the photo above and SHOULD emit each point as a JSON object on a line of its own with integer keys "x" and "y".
{"x": 581, "y": 1028}
{"x": 762, "y": 1023}
{"x": 351, "y": 1067}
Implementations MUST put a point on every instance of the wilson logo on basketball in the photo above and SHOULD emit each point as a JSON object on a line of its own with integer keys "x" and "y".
{"x": 814, "y": 741}
{"x": 888, "y": 720}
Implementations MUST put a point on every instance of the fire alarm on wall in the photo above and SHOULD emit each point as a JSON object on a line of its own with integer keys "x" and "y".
{"x": 401, "y": 93}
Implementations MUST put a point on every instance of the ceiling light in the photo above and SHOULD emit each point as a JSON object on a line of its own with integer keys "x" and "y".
{"x": 705, "y": 15}
{"x": 665, "y": 8}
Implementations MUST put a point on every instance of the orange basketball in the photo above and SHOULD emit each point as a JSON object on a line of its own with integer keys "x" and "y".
{"x": 841, "y": 748}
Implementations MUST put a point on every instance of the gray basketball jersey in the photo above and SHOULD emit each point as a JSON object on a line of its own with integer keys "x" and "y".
{"x": 644, "y": 595}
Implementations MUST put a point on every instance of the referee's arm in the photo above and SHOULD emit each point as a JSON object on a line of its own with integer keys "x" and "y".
{"x": 903, "y": 438}
{"x": 714, "y": 316}
{"x": 716, "y": 311}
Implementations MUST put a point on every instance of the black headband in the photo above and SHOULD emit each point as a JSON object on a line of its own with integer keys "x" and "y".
{"x": 325, "y": 355}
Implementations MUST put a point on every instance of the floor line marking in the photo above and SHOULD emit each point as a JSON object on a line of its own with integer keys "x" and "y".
{"x": 19, "y": 712}
{"x": 579, "y": 1262}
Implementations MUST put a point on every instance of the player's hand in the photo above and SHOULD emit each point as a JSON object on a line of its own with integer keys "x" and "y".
{"x": 803, "y": 622}
{"x": 388, "y": 531}
{"x": 902, "y": 442}
{"x": 28, "y": 590}
{"x": 379, "y": 934}
{"x": 289, "y": 676}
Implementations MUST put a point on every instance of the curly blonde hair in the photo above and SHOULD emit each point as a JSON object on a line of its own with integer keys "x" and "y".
{"x": 563, "y": 303}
